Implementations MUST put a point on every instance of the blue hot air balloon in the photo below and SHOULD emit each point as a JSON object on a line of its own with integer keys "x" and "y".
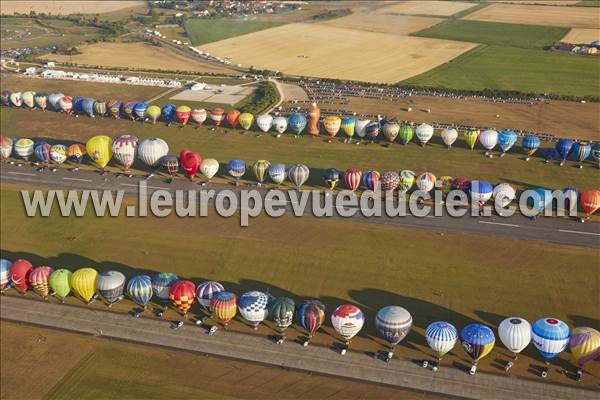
{"x": 551, "y": 337}
{"x": 140, "y": 110}
{"x": 139, "y": 289}
{"x": 254, "y": 307}
{"x": 168, "y": 112}
{"x": 236, "y": 168}
{"x": 277, "y": 173}
{"x": 506, "y": 139}
{"x": 42, "y": 152}
{"x": 298, "y": 174}
{"x": 297, "y": 123}
{"x": 441, "y": 338}
{"x": 480, "y": 191}
{"x": 87, "y": 107}
{"x": 530, "y": 144}
{"x": 478, "y": 341}
{"x": 540, "y": 200}
{"x": 77, "y": 103}
{"x": 370, "y": 179}
{"x": 549, "y": 155}
{"x": 563, "y": 148}
{"x": 581, "y": 151}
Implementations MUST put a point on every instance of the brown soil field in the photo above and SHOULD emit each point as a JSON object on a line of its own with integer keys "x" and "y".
{"x": 63, "y": 363}
{"x": 329, "y": 52}
{"x": 552, "y": 2}
{"x": 379, "y": 21}
{"x": 573, "y": 17}
{"x": 65, "y": 7}
{"x": 578, "y": 35}
{"x": 417, "y": 7}
{"x": 136, "y": 55}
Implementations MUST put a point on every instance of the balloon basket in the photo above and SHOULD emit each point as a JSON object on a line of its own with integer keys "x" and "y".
{"x": 578, "y": 375}
{"x": 508, "y": 366}
{"x": 544, "y": 373}
{"x": 502, "y": 155}
{"x": 527, "y": 158}
{"x": 473, "y": 370}
{"x": 305, "y": 344}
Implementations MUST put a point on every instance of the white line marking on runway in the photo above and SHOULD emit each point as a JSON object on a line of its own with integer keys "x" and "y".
{"x": 78, "y": 179}
{"x": 579, "y": 232}
{"x": 149, "y": 187}
{"x": 20, "y": 173}
{"x": 499, "y": 223}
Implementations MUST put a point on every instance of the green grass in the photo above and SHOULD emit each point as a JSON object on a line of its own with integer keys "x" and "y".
{"x": 509, "y": 68}
{"x": 202, "y": 31}
{"x": 589, "y": 3}
{"x": 492, "y": 33}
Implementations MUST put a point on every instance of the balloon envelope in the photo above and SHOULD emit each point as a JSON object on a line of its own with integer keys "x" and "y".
{"x": 331, "y": 176}
{"x": 563, "y": 148}
{"x": 282, "y": 312}
{"x": 471, "y": 136}
{"x": 259, "y": 169}
{"x": 83, "y": 283}
{"x": 264, "y": 122}
{"x": 424, "y": 133}
{"x": 297, "y": 123}
{"x": 370, "y": 180}
{"x": 352, "y": 178}
{"x": 393, "y": 323}
{"x": 111, "y": 285}
{"x": 254, "y": 307}
{"x": 245, "y": 120}
{"x": 209, "y": 167}
{"x": 205, "y": 292}
{"x": 488, "y": 139}
{"x": 24, "y": 148}
{"x": 161, "y": 284}
{"x": 589, "y": 200}
{"x": 58, "y": 153}
{"x": 515, "y": 334}
{"x": 124, "y": 148}
{"x": 19, "y": 274}
{"x": 139, "y": 289}
{"x": 151, "y": 150}
{"x": 190, "y": 162}
{"x": 310, "y": 317}
{"x": 389, "y": 180}
{"x": 530, "y": 144}
{"x": 426, "y": 181}
{"x": 449, "y": 136}
{"x": 99, "y": 148}
{"x": 236, "y": 168}
{"x": 332, "y": 125}
{"x": 182, "y": 295}
{"x": 38, "y": 279}
{"x": 168, "y": 112}
{"x": 224, "y": 306}
{"x": 441, "y": 337}
{"x": 277, "y": 173}
{"x": 60, "y": 282}
{"x": 298, "y": 174}
{"x": 280, "y": 124}
{"x": 550, "y": 337}
{"x": 347, "y": 320}
{"x": 4, "y": 272}
{"x": 477, "y": 340}
{"x": 6, "y": 146}
{"x": 347, "y": 125}
{"x": 584, "y": 344}
{"x": 506, "y": 139}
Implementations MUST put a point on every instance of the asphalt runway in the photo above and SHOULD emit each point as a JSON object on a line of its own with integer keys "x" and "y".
{"x": 548, "y": 229}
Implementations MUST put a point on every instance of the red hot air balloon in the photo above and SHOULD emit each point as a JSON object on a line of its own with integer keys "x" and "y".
{"x": 183, "y": 114}
{"x": 217, "y": 115}
{"x": 590, "y": 201}
{"x": 352, "y": 178}
{"x": 233, "y": 117}
{"x": 190, "y": 161}
{"x": 19, "y": 274}
{"x": 182, "y": 295}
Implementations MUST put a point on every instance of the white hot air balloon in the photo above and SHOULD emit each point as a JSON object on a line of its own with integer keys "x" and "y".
{"x": 361, "y": 127}
{"x": 393, "y": 324}
{"x": 58, "y": 153}
{"x": 254, "y": 307}
{"x": 151, "y": 150}
{"x": 347, "y": 320}
{"x": 280, "y": 124}
{"x": 209, "y": 167}
{"x": 28, "y": 99}
{"x": 441, "y": 338}
{"x": 24, "y": 148}
{"x": 264, "y": 122}
{"x": 515, "y": 334}
{"x": 16, "y": 99}
{"x": 488, "y": 139}
{"x": 124, "y": 148}
{"x": 449, "y": 136}
{"x": 424, "y": 132}
{"x": 504, "y": 193}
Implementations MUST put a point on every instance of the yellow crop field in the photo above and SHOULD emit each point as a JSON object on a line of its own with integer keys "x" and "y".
{"x": 417, "y": 7}
{"x": 325, "y": 51}
{"x": 577, "y": 35}
{"x": 9, "y": 7}
{"x": 572, "y": 17}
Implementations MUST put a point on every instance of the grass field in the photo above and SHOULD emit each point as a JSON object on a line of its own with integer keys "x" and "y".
{"x": 493, "y": 33}
{"x": 578, "y": 36}
{"x": 510, "y": 68}
{"x": 10, "y": 7}
{"x": 226, "y": 144}
{"x": 202, "y": 31}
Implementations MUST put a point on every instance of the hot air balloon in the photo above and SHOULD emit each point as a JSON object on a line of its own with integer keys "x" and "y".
{"x": 168, "y": 113}
{"x": 60, "y": 283}
{"x": 128, "y": 109}
{"x": 140, "y": 110}
{"x": 550, "y": 337}
{"x": 5, "y": 98}
{"x": 331, "y": 177}
{"x": 332, "y": 125}
{"x": 224, "y": 307}
{"x": 581, "y": 151}
{"x": 424, "y": 133}
{"x": 314, "y": 114}
{"x": 237, "y": 169}
{"x": 264, "y": 122}
{"x": 259, "y": 169}
{"x": 361, "y": 127}
{"x": 477, "y": 341}
{"x": 441, "y": 338}
{"x": 6, "y": 147}
{"x": 563, "y": 148}
{"x": 27, "y": 98}
{"x": 480, "y": 192}
{"x": 38, "y": 280}
{"x": 347, "y": 126}
{"x": 199, "y": 115}
{"x": 16, "y": 99}
{"x": 277, "y": 173}
{"x": 589, "y": 200}
{"x": 110, "y": 286}
{"x": 100, "y": 107}
{"x": 41, "y": 100}
{"x": 504, "y": 194}
{"x": 282, "y": 313}
{"x": 183, "y": 114}
{"x": 84, "y": 284}
{"x": 170, "y": 164}
{"x": 205, "y": 292}
{"x": 515, "y": 334}
{"x": 389, "y": 180}
{"x": 42, "y": 152}
{"x": 245, "y": 120}
{"x": 209, "y": 168}
{"x": 310, "y": 316}
{"x": 161, "y": 285}
{"x": 488, "y": 139}
{"x": 76, "y": 151}
{"x": 190, "y": 162}
{"x": 217, "y": 115}
{"x": 20, "y": 271}
{"x": 233, "y": 117}
{"x": 390, "y": 131}
{"x": 151, "y": 150}
{"x": 540, "y": 200}
{"x": 585, "y": 346}
{"x": 449, "y": 136}
{"x": 347, "y": 320}
{"x": 139, "y": 289}
{"x": 114, "y": 107}
{"x": 123, "y": 149}
{"x": 549, "y": 155}
{"x": 506, "y": 139}
{"x": 297, "y": 123}
{"x": 426, "y": 181}
{"x": 373, "y": 129}
{"x": 87, "y": 107}
{"x": 53, "y": 100}
{"x": 24, "y": 148}
{"x": 406, "y": 133}
{"x": 370, "y": 180}
{"x": 596, "y": 152}
{"x": 471, "y": 136}
{"x": 153, "y": 113}
{"x": 393, "y": 324}
{"x": 66, "y": 104}
{"x": 254, "y": 307}
{"x": 445, "y": 183}
{"x": 280, "y": 124}
{"x": 352, "y": 178}
{"x": 530, "y": 144}
{"x": 4, "y": 273}
{"x": 77, "y": 106}
{"x": 99, "y": 149}
{"x": 407, "y": 180}
{"x": 298, "y": 174}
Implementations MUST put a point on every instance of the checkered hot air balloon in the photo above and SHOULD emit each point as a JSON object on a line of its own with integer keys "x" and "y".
{"x": 389, "y": 180}
{"x": 139, "y": 289}
{"x": 38, "y": 280}
{"x": 224, "y": 307}
{"x": 352, "y": 178}
{"x": 254, "y": 307}
{"x": 182, "y": 295}
{"x": 205, "y": 292}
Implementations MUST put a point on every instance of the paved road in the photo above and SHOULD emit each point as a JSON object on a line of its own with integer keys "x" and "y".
{"x": 313, "y": 359}
{"x": 553, "y": 230}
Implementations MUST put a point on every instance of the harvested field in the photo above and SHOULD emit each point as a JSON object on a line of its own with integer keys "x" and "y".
{"x": 572, "y": 17}
{"x": 136, "y": 55}
{"x": 442, "y": 8}
{"x": 378, "y": 21}
{"x": 9, "y": 7}
{"x": 550, "y": 2}
{"x": 578, "y": 35}
{"x": 229, "y": 95}
{"x": 314, "y": 54}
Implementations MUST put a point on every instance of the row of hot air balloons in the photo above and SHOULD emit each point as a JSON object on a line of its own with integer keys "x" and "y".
{"x": 297, "y": 123}
{"x": 550, "y": 336}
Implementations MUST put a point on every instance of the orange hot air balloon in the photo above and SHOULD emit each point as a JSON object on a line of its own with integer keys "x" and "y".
{"x": 183, "y": 114}
{"x": 314, "y": 113}
{"x": 182, "y": 295}
{"x": 217, "y": 115}
{"x": 590, "y": 201}
{"x": 38, "y": 279}
{"x": 233, "y": 117}
{"x": 20, "y": 271}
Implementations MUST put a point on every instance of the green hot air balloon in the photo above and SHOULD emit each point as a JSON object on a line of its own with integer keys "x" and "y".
{"x": 282, "y": 313}
{"x": 260, "y": 169}
{"x": 406, "y": 133}
{"x": 60, "y": 283}
{"x": 471, "y": 136}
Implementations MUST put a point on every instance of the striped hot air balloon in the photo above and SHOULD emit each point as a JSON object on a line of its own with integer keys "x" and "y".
{"x": 140, "y": 110}
{"x": 282, "y": 314}
{"x": 370, "y": 180}
{"x": 352, "y": 178}
{"x": 224, "y": 307}
{"x": 260, "y": 169}
{"x": 406, "y": 133}
{"x": 298, "y": 174}
{"x": 151, "y": 150}
{"x": 205, "y": 292}
{"x": 161, "y": 284}
{"x": 589, "y": 200}
{"x": 217, "y": 115}
{"x": 182, "y": 295}
{"x": 581, "y": 151}
{"x": 124, "y": 150}
{"x": 310, "y": 316}
{"x": 38, "y": 279}
{"x": 139, "y": 289}
{"x": 42, "y": 152}
{"x": 199, "y": 115}
{"x": 441, "y": 338}
{"x": 515, "y": 334}
{"x": 24, "y": 148}
{"x": 100, "y": 107}
{"x": 393, "y": 324}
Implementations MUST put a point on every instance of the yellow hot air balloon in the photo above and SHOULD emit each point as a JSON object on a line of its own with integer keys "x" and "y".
{"x": 99, "y": 148}
{"x": 332, "y": 125}
{"x": 245, "y": 120}
{"x": 84, "y": 282}
{"x": 471, "y": 136}
{"x": 153, "y": 112}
